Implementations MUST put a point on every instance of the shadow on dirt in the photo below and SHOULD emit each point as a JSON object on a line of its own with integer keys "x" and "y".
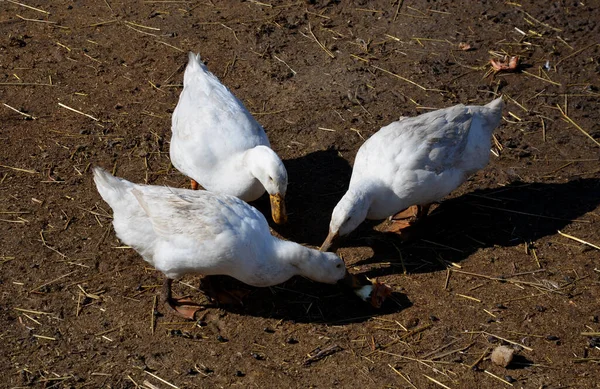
{"x": 299, "y": 300}
{"x": 316, "y": 183}
{"x": 507, "y": 216}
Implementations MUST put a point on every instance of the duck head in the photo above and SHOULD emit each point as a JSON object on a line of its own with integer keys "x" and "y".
{"x": 349, "y": 212}
{"x": 318, "y": 266}
{"x": 266, "y": 166}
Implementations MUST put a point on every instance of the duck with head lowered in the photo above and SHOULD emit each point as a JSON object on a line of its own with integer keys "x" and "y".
{"x": 218, "y": 144}
{"x": 414, "y": 162}
{"x": 182, "y": 231}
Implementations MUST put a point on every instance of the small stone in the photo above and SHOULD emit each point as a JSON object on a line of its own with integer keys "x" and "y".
{"x": 509, "y": 379}
{"x": 501, "y": 306}
{"x": 594, "y": 319}
{"x": 540, "y": 308}
{"x": 269, "y": 330}
{"x": 221, "y": 339}
{"x": 291, "y": 340}
{"x": 239, "y": 373}
{"x": 552, "y": 337}
{"x": 594, "y": 342}
{"x": 502, "y": 355}
{"x": 256, "y": 356}
{"x": 433, "y": 318}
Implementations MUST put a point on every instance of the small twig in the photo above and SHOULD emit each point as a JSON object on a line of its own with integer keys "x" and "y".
{"x": 53, "y": 281}
{"x": 285, "y": 63}
{"x": 79, "y": 112}
{"x": 567, "y": 118}
{"x": 35, "y": 20}
{"x": 161, "y": 380}
{"x": 578, "y": 240}
{"x": 329, "y": 53}
{"x": 498, "y": 378}
{"x": 19, "y": 112}
{"x": 402, "y": 375}
{"x": 468, "y": 297}
{"x": 322, "y": 354}
{"x": 532, "y": 214}
{"x": 19, "y": 169}
{"x": 575, "y": 53}
{"x": 152, "y": 315}
{"x": 436, "y": 381}
{"x": 28, "y": 6}
{"x": 501, "y": 338}
{"x": 400, "y": 2}
{"x": 541, "y": 78}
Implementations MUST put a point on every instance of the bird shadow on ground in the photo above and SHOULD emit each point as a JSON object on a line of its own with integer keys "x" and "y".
{"x": 316, "y": 183}
{"x": 302, "y": 300}
{"x": 505, "y": 216}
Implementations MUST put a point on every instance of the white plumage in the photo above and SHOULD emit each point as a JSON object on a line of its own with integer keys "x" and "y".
{"x": 181, "y": 231}
{"x": 415, "y": 161}
{"x": 216, "y": 142}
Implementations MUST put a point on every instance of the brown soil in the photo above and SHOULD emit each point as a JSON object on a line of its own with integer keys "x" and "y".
{"x": 488, "y": 264}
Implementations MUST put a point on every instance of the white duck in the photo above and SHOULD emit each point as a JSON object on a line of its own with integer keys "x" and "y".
{"x": 219, "y": 145}
{"x": 415, "y": 161}
{"x": 182, "y": 231}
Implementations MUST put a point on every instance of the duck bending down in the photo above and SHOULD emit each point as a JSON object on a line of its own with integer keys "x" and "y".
{"x": 182, "y": 231}
{"x": 218, "y": 144}
{"x": 414, "y": 162}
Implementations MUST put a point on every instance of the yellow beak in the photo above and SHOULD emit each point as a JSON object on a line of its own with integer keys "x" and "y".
{"x": 278, "y": 208}
{"x": 330, "y": 238}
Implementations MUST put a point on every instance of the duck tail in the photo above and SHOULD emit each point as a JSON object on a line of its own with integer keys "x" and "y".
{"x": 194, "y": 66}
{"x": 112, "y": 189}
{"x": 493, "y": 114}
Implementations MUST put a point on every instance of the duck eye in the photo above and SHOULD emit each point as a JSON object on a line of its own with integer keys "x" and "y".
{"x": 338, "y": 265}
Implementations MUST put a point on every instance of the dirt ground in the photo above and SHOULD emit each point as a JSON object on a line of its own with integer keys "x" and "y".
{"x": 88, "y": 83}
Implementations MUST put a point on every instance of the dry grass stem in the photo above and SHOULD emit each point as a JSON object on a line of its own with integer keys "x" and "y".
{"x": 35, "y": 20}
{"x": 325, "y": 49}
{"x": 17, "y": 169}
{"x": 533, "y": 214}
{"x": 19, "y": 112}
{"x": 468, "y": 297}
{"x": 567, "y": 118}
{"x": 575, "y": 53}
{"x": 142, "y": 26}
{"x": 79, "y": 112}
{"x": 578, "y": 240}
{"x": 436, "y": 381}
{"x": 501, "y": 338}
{"x": 161, "y": 380}
{"x": 285, "y": 63}
{"x": 32, "y": 311}
{"x": 171, "y": 46}
{"x": 541, "y": 78}
{"x": 498, "y": 378}
{"x": 53, "y": 281}
{"x": 403, "y": 377}
{"x": 28, "y": 6}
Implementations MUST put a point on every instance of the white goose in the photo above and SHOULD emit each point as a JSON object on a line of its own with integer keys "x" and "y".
{"x": 182, "y": 231}
{"x": 219, "y": 145}
{"x": 414, "y": 162}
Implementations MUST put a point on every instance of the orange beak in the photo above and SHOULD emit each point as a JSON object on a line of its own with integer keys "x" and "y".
{"x": 328, "y": 241}
{"x": 278, "y": 208}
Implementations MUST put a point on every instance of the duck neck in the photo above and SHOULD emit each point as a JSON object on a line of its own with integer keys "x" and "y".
{"x": 296, "y": 256}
